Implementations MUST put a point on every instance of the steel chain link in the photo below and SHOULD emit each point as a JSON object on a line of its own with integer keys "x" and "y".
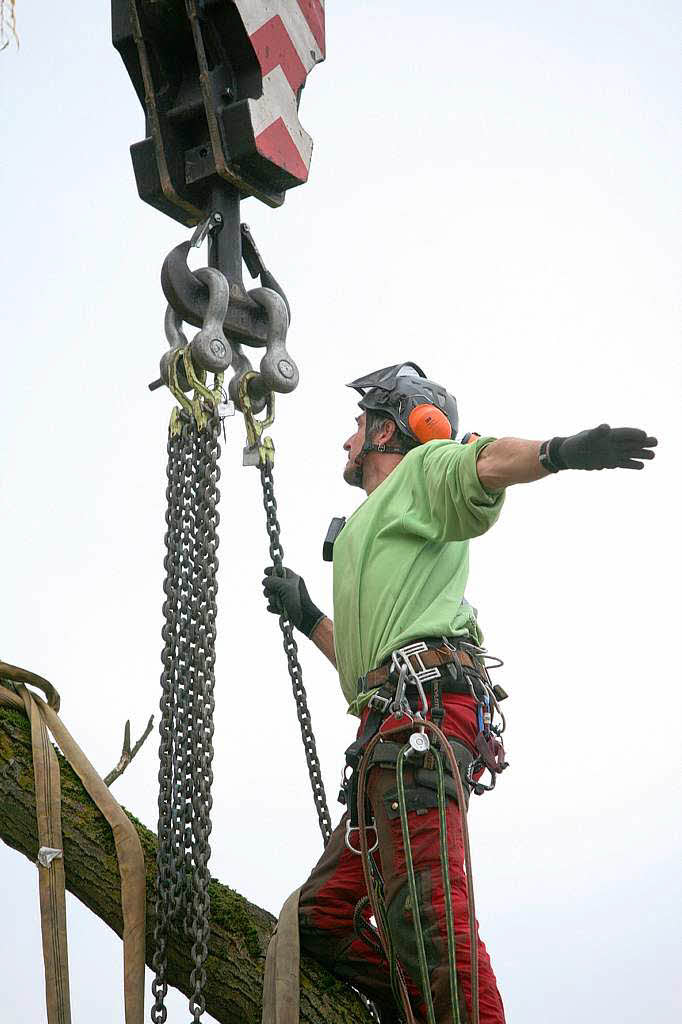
{"x": 187, "y": 703}
{"x": 291, "y": 651}
{"x": 296, "y": 674}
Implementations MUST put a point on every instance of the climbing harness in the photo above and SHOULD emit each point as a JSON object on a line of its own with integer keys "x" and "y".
{"x": 399, "y": 692}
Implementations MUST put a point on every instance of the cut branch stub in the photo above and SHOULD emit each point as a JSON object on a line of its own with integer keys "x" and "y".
{"x": 126, "y": 753}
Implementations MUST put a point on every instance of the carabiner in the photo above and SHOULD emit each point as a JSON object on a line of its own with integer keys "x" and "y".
{"x": 478, "y": 787}
{"x": 490, "y": 757}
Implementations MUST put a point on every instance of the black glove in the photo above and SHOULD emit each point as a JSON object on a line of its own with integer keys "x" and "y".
{"x": 289, "y": 594}
{"x": 602, "y": 447}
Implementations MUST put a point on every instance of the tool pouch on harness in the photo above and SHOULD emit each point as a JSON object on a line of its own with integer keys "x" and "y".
{"x": 385, "y": 755}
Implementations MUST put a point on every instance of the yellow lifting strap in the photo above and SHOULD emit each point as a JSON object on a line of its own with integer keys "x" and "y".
{"x": 42, "y": 715}
{"x": 281, "y": 985}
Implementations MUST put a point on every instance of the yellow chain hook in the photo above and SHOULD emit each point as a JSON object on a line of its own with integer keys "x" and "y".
{"x": 259, "y": 450}
{"x": 195, "y": 406}
{"x": 198, "y": 382}
{"x": 175, "y": 425}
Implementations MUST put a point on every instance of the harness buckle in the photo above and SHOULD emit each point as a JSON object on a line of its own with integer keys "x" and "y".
{"x": 401, "y": 662}
{"x": 401, "y": 659}
{"x": 378, "y": 703}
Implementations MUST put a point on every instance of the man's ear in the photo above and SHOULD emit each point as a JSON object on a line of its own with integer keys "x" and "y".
{"x": 387, "y": 432}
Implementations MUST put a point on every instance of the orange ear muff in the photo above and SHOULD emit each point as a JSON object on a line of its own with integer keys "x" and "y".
{"x": 428, "y": 423}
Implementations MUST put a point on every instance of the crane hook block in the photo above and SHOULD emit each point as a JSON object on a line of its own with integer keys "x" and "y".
{"x": 220, "y": 82}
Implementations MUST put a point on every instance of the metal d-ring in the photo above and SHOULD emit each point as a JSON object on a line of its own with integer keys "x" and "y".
{"x": 356, "y": 828}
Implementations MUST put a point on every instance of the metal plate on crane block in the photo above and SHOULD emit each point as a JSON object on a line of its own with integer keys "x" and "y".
{"x": 220, "y": 82}
{"x": 288, "y": 37}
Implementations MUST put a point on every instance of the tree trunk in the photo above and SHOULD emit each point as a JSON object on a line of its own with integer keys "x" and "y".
{"x": 239, "y": 930}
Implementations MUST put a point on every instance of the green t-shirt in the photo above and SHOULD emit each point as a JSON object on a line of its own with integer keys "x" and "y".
{"x": 402, "y": 561}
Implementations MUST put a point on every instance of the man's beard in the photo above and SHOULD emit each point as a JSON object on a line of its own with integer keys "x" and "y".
{"x": 352, "y": 474}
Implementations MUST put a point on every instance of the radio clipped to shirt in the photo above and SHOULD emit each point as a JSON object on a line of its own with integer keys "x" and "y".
{"x": 335, "y": 527}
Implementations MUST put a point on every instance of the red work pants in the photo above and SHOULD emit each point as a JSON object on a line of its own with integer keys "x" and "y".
{"x": 329, "y": 897}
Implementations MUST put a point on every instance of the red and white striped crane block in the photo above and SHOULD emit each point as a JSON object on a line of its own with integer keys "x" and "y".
{"x": 288, "y": 37}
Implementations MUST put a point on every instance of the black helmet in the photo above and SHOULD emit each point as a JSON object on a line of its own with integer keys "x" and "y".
{"x": 400, "y": 391}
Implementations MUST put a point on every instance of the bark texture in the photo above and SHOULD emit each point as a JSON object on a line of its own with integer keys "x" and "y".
{"x": 239, "y": 930}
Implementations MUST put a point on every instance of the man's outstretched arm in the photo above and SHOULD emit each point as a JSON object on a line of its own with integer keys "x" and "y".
{"x": 511, "y": 460}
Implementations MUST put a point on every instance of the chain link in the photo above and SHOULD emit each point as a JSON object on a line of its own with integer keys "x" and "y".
{"x": 296, "y": 675}
{"x": 291, "y": 651}
{"x": 187, "y": 699}
{"x": 187, "y": 703}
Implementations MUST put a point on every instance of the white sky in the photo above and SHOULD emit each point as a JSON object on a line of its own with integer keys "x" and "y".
{"x": 495, "y": 194}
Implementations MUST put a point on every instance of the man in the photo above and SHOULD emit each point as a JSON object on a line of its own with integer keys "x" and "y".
{"x": 400, "y": 571}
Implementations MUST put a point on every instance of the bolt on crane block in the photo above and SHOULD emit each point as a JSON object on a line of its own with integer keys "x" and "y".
{"x": 220, "y": 82}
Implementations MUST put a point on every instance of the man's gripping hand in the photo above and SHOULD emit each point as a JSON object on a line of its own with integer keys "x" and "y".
{"x": 288, "y": 594}
{"x": 603, "y": 447}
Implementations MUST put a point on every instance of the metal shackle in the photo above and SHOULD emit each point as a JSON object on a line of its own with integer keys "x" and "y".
{"x": 176, "y": 339}
{"x": 210, "y": 349}
{"x": 278, "y": 370}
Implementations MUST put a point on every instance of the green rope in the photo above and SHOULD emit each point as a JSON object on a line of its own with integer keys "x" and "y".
{"x": 382, "y": 914}
{"x": 390, "y": 948}
{"x": 375, "y": 890}
{"x": 412, "y": 886}
{"x": 445, "y": 871}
